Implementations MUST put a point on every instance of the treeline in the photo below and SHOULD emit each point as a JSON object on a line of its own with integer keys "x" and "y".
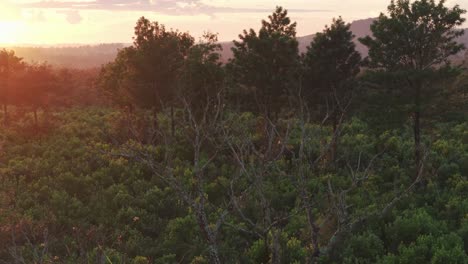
{"x": 39, "y": 86}
{"x": 74, "y": 57}
{"x": 273, "y": 157}
{"x": 406, "y": 77}
{"x": 407, "y": 70}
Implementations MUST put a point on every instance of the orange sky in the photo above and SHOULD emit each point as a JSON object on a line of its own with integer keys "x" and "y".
{"x": 105, "y": 21}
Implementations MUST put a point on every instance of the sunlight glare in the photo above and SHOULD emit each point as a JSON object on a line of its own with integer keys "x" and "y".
{"x": 9, "y": 32}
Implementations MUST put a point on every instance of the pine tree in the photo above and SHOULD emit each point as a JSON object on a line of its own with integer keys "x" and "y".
{"x": 10, "y": 64}
{"x": 410, "y": 45}
{"x": 331, "y": 65}
{"x": 265, "y": 64}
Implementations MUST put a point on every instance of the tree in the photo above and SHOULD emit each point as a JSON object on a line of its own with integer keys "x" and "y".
{"x": 114, "y": 79}
{"x": 265, "y": 64}
{"x": 159, "y": 55}
{"x": 202, "y": 75}
{"x": 40, "y": 82}
{"x": 9, "y": 65}
{"x": 410, "y": 45}
{"x": 146, "y": 72}
{"x": 191, "y": 173}
{"x": 331, "y": 64}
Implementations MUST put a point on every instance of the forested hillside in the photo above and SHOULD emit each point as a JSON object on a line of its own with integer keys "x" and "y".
{"x": 167, "y": 154}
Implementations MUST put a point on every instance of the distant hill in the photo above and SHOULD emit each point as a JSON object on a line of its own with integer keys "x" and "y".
{"x": 96, "y": 55}
{"x": 360, "y": 28}
{"x": 80, "y": 57}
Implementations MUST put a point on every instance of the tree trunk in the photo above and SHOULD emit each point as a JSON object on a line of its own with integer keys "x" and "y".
{"x": 35, "y": 117}
{"x": 172, "y": 121}
{"x": 7, "y": 78}
{"x": 314, "y": 229}
{"x": 155, "y": 118}
{"x": 155, "y": 107}
{"x": 334, "y": 146}
{"x": 417, "y": 140}
{"x": 5, "y": 114}
{"x": 306, "y": 197}
{"x": 46, "y": 116}
{"x": 275, "y": 247}
{"x": 214, "y": 255}
{"x": 209, "y": 235}
{"x": 417, "y": 128}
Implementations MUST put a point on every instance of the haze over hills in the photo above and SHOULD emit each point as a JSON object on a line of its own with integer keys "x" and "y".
{"x": 90, "y": 56}
{"x": 360, "y": 28}
{"x": 71, "y": 56}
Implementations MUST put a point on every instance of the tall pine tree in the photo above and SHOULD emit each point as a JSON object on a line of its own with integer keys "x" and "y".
{"x": 411, "y": 47}
{"x": 331, "y": 65}
{"x": 265, "y": 64}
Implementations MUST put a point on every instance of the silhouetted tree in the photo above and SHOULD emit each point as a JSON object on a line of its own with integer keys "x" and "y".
{"x": 146, "y": 72}
{"x": 411, "y": 43}
{"x": 265, "y": 64}
{"x": 331, "y": 64}
{"x": 40, "y": 82}
{"x": 202, "y": 75}
{"x": 114, "y": 79}
{"x": 10, "y": 64}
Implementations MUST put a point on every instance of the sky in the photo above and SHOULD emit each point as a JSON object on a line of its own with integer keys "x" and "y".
{"x": 43, "y": 22}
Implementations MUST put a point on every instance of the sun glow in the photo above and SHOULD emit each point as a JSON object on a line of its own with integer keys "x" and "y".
{"x": 9, "y": 32}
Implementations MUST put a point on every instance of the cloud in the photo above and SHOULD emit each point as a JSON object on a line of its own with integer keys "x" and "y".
{"x": 72, "y": 16}
{"x": 169, "y": 7}
{"x": 34, "y": 16}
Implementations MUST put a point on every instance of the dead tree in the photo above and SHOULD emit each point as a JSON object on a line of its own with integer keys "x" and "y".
{"x": 256, "y": 160}
{"x": 199, "y": 134}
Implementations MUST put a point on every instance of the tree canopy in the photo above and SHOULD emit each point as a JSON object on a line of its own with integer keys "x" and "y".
{"x": 265, "y": 64}
{"x": 145, "y": 73}
{"x": 167, "y": 155}
{"x": 411, "y": 44}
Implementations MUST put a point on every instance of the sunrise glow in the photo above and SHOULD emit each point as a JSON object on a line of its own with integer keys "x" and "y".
{"x": 10, "y": 32}
{"x": 111, "y": 21}
{"x": 233, "y": 131}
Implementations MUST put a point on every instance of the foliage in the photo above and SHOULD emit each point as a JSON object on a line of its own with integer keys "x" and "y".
{"x": 265, "y": 64}
{"x": 207, "y": 181}
{"x": 409, "y": 52}
{"x": 331, "y": 63}
{"x": 144, "y": 74}
{"x": 70, "y": 194}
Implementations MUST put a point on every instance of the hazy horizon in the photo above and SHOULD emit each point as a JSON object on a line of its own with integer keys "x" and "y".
{"x": 92, "y": 22}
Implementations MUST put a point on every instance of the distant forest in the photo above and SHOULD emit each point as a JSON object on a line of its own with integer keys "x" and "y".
{"x": 94, "y": 56}
{"x": 347, "y": 146}
{"x": 73, "y": 56}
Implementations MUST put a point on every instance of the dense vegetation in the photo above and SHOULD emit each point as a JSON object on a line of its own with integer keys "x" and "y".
{"x": 168, "y": 156}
